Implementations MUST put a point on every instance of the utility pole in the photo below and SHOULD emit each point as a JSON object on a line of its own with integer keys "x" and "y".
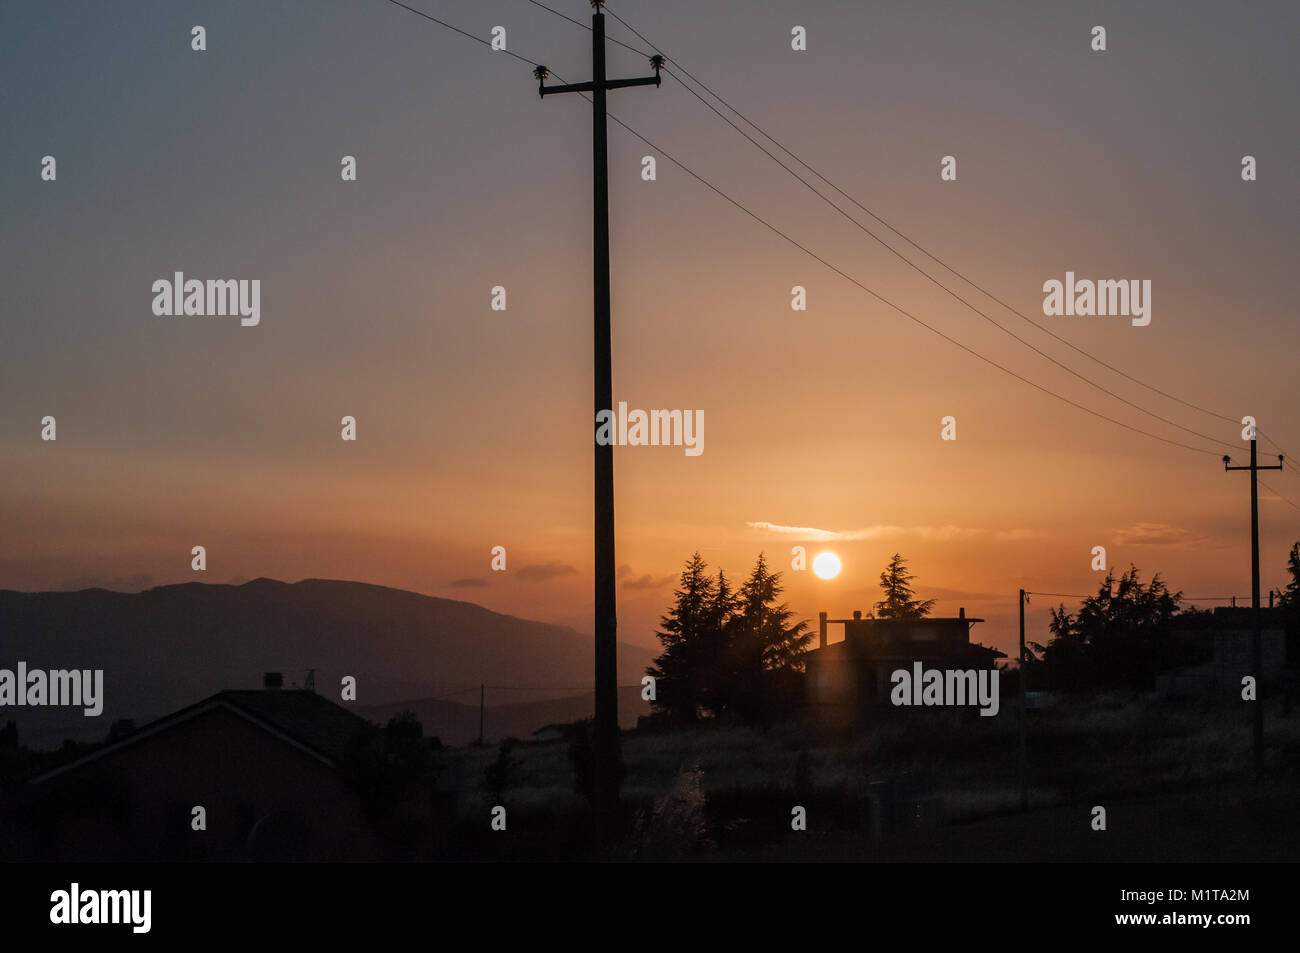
{"x": 605, "y": 740}
{"x": 1257, "y": 643}
{"x": 480, "y": 715}
{"x": 1024, "y": 730}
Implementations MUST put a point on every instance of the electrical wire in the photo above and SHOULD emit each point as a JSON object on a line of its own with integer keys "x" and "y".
{"x": 926, "y": 252}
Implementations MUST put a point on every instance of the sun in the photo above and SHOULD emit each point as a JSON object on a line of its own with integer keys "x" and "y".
{"x": 826, "y": 565}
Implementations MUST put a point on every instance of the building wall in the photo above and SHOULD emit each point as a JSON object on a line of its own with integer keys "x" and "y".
{"x": 265, "y": 800}
{"x": 1233, "y": 654}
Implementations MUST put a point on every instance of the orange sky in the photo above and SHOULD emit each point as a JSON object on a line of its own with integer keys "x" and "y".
{"x": 474, "y": 426}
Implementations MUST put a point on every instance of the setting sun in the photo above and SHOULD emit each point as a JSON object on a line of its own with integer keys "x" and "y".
{"x": 826, "y": 565}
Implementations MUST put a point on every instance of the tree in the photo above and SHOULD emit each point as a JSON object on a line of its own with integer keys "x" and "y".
{"x": 765, "y": 647}
{"x": 393, "y": 768}
{"x": 690, "y": 634}
{"x": 1289, "y": 598}
{"x": 898, "y": 603}
{"x": 780, "y": 643}
{"x": 727, "y": 650}
{"x": 1120, "y": 637}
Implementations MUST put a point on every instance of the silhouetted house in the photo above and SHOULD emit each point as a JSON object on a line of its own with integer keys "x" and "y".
{"x": 267, "y": 767}
{"x": 853, "y": 675}
{"x": 1232, "y": 631}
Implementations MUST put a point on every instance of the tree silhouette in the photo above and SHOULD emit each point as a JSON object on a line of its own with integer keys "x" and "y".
{"x": 779, "y": 644}
{"x": 725, "y": 650}
{"x": 766, "y": 648}
{"x": 690, "y": 634}
{"x": 1119, "y": 638}
{"x": 1289, "y": 598}
{"x": 898, "y": 603}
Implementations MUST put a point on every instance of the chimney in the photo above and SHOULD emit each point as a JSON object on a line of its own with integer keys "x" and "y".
{"x": 273, "y": 680}
{"x": 857, "y": 614}
{"x": 821, "y": 630}
{"x": 961, "y": 613}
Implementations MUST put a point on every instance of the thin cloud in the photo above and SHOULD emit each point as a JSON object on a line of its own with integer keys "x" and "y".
{"x": 545, "y": 571}
{"x": 469, "y": 583}
{"x": 1154, "y": 534}
{"x": 1014, "y": 534}
{"x": 938, "y": 533}
{"x": 648, "y": 582}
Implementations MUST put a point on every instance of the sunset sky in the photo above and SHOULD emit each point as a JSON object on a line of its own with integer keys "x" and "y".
{"x": 475, "y": 426}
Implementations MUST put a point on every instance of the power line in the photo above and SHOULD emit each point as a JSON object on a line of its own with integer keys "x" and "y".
{"x": 454, "y": 29}
{"x": 1289, "y": 463}
{"x": 911, "y": 264}
{"x": 587, "y": 27}
{"x": 837, "y": 270}
{"x": 1279, "y": 495}
{"x": 898, "y": 308}
{"x": 927, "y": 253}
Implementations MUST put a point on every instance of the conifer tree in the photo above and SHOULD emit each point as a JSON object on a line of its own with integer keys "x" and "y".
{"x": 690, "y": 642}
{"x": 898, "y": 603}
{"x": 766, "y": 648}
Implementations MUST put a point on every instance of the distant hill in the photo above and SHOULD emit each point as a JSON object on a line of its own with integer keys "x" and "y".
{"x": 456, "y": 723}
{"x": 170, "y": 646}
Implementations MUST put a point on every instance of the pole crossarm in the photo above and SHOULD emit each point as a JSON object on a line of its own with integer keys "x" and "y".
{"x": 544, "y": 90}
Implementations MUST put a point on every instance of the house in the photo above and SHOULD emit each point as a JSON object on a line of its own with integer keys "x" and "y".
{"x": 267, "y": 768}
{"x": 1232, "y": 630}
{"x": 852, "y": 676}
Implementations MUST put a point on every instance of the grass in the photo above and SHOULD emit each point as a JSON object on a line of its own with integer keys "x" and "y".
{"x": 1173, "y": 773}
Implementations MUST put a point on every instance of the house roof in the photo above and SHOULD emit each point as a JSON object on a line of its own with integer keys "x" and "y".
{"x": 922, "y": 620}
{"x": 298, "y": 717}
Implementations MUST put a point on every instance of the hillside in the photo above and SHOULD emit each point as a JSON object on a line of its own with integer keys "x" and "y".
{"x": 172, "y": 645}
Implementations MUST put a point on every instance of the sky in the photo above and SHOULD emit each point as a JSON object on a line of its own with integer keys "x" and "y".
{"x": 822, "y": 427}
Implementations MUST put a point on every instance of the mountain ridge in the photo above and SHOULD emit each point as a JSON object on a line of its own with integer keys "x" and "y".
{"x": 168, "y": 646}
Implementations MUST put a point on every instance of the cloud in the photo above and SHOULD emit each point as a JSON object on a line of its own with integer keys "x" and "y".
{"x": 1015, "y": 534}
{"x": 938, "y": 533}
{"x": 545, "y": 571}
{"x": 622, "y": 571}
{"x": 648, "y": 582}
{"x": 469, "y": 583}
{"x": 1154, "y": 534}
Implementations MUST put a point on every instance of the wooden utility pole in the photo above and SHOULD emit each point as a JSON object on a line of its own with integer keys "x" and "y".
{"x": 480, "y": 714}
{"x": 1257, "y": 643}
{"x": 1024, "y": 729}
{"x": 605, "y": 741}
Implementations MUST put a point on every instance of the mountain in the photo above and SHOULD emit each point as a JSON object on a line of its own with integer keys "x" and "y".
{"x": 170, "y": 646}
